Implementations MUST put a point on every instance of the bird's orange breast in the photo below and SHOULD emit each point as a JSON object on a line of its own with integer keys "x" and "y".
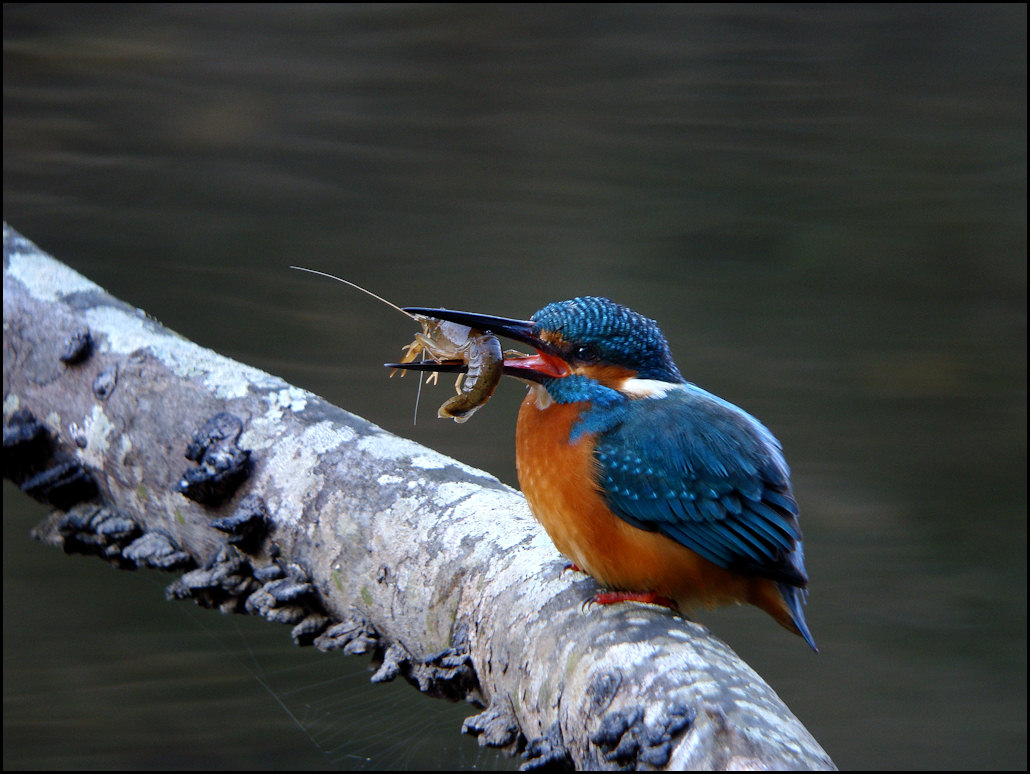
{"x": 559, "y": 479}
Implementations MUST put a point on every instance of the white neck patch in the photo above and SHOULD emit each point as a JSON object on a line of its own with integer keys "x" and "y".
{"x": 540, "y": 395}
{"x": 647, "y": 388}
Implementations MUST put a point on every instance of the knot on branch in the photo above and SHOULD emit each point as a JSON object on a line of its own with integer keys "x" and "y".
{"x": 224, "y": 582}
{"x": 105, "y": 382}
{"x": 156, "y": 549}
{"x": 247, "y": 526}
{"x": 496, "y": 726}
{"x": 222, "y": 465}
{"x": 289, "y": 597}
{"x": 628, "y": 739}
{"x": 353, "y": 635}
{"x": 93, "y": 530}
{"x": 78, "y": 348}
{"x": 229, "y": 582}
{"x": 31, "y": 462}
{"x": 26, "y": 445}
{"x": 394, "y": 659}
{"x": 547, "y": 752}
{"x": 447, "y": 674}
{"x": 63, "y": 484}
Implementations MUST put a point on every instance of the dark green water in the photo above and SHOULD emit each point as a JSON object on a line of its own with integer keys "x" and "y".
{"x": 825, "y": 208}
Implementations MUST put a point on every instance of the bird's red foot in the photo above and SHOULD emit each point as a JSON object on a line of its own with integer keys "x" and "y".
{"x": 647, "y": 597}
{"x": 571, "y": 567}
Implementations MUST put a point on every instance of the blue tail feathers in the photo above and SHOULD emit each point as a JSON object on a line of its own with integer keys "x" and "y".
{"x": 795, "y": 599}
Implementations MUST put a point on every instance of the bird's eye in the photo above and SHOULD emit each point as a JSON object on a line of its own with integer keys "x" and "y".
{"x": 587, "y": 353}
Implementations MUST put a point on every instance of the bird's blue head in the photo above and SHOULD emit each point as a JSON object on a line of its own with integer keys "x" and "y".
{"x": 593, "y": 331}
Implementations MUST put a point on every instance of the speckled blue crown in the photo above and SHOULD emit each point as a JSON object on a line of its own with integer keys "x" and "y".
{"x": 618, "y": 334}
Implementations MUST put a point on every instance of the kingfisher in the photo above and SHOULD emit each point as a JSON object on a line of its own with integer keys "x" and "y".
{"x": 661, "y": 491}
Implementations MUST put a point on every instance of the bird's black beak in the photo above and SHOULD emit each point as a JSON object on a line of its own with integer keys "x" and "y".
{"x": 545, "y": 364}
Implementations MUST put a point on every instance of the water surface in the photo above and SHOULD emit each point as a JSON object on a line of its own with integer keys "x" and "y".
{"x": 824, "y": 207}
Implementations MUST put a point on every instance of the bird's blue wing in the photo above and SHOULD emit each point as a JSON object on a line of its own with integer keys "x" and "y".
{"x": 708, "y": 475}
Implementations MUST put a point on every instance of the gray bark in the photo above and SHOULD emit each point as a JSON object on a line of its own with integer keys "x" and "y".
{"x": 294, "y": 509}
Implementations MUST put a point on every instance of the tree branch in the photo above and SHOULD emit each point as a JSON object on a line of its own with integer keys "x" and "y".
{"x": 291, "y": 508}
